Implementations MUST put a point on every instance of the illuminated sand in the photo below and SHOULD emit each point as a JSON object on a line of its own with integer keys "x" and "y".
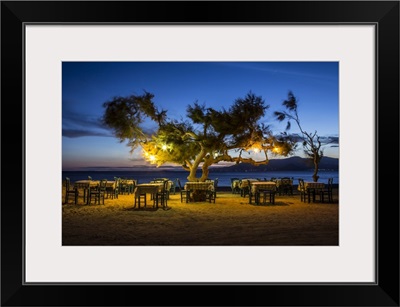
{"x": 230, "y": 221}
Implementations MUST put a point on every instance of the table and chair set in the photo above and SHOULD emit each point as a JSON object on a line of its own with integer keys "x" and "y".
{"x": 157, "y": 191}
{"x": 97, "y": 190}
{"x": 264, "y": 191}
{"x": 194, "y": 191}
{"x": 310, "y": 190}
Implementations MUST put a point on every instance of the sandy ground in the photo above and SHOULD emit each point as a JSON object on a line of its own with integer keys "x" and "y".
{"x": 230, "y": 221}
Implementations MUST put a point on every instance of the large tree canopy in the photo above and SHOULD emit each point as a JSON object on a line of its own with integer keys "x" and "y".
{"x": 206, "y": 137}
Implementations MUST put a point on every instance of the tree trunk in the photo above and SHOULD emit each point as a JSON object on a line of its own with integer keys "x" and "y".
{"x": 195, "y": 166}
{"x": 315, "y": 175}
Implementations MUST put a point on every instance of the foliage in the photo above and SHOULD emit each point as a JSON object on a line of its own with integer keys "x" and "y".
{"x": 206, "y": 137}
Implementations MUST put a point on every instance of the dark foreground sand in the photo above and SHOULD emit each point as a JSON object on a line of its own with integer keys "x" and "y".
{"x": 230, "y": 221}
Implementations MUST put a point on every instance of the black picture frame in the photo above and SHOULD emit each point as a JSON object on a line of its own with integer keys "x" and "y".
{"x": 383, "y": 14}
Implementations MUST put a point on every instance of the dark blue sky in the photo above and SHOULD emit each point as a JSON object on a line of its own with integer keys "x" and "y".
{"x": 87, "y": 85}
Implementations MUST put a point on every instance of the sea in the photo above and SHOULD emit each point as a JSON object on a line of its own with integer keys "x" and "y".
{"x": 224, "y": 178}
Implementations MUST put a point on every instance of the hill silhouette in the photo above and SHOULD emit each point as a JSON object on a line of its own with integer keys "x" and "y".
{"x": 288, "y": 164}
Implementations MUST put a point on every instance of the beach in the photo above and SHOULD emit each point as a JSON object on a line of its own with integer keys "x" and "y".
{"x": 231, "y": 220}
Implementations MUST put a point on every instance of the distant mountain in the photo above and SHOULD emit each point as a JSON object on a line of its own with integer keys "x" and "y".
{"x": 288, "y": 164}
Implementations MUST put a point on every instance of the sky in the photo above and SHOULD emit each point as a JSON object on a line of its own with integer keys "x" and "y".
{"x": 86, "y": 144}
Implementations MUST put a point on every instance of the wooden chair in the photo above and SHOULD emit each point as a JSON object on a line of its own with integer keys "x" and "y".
{"x": 212, "y": 193}
{"x": 140, "y": 198}
{"x": 185, "y": 194}
{"x": 98, "y": 193}
{"x": 244, "y": 191}
{"x": 268, "y": 196}
{"x": 328, "y": 191}
{"x": 286, "y": 187}
{"x": 124, "y": 187}
{"x": 113, "y": 191}
{"x": 69, "y": 189}
{"x": 235, "y": 186}
{"x": 302, "y": 190}
{"x": 250, "y": 193}
{"x": 161, "y": 197}
{"x": 173, "y": 187}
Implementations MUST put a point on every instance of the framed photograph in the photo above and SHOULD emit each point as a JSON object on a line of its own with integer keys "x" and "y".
{"x": 59, "y": 54}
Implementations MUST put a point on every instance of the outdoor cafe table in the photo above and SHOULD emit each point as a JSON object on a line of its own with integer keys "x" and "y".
{"x": 235, "y": 185}
{"x": 86, "y": 185}
{"x": 146, "y": 188}
{"x": 279, "y": 182}
{"x": 203, "y": 187}
{"x": 313, "y": 187}
{"x": 169, "y": 185}
{"x": 244, "y": 186}
{"x": 258, "y": 186}
{"x": 284, "y": 186}
{"x": 127, "y": 185}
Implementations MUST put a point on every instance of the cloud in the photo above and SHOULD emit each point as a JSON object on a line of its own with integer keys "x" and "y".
{"x": 83, "y": 120}
{"x": 328, "y": 139}
{"x": 76, "y": 133}
{"x": 77, "y": 125}
{"x": 331, "y": 140}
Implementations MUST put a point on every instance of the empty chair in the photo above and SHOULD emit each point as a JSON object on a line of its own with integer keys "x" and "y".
{"x": 302, "y": 190}
{"x": 168, "y": 184}
{"x": 185, "y": 194}
{"x": 235, "y": 185}
{"x": 211, "y": 193}
{"x": 140, "y": 197}
{"x": 266, "y": 196}
{"x": 124, "y": 187}
{"x": 250, "y": 192}
{"x": 215, "y": 187}
{"x": 161, "y": 197}
{"x": 328, "y": 191}
{"x": 244, "y": 186}
{"x": 285, "y": 186}
{"x": 70, "y": 190}
{"x": 113, "y": 190}
{"x": 173, "y": 187}
{"x": 98, "y": 193}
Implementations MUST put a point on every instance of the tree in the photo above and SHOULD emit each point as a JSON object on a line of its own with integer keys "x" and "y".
{"x": 206, "y": 137}
{"x": 311, "y": 141}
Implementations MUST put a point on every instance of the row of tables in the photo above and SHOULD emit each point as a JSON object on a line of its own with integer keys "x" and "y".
{"x": 87, "y": 185}
{"x": 269, "y": 188}
{"x": 137, "y": 190}
{"x": 151, "y": 188}
{"x": 257, "y": 188}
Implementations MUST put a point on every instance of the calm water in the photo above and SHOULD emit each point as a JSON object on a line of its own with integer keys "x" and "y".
{"x": 224, "y": 178}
